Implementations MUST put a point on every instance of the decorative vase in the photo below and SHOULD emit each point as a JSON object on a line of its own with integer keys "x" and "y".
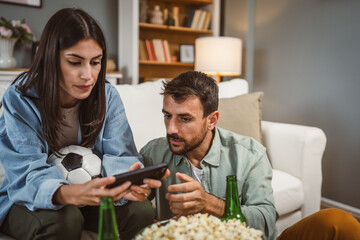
{"x": 157, "y": 16}
{"x": 6, "y": 53}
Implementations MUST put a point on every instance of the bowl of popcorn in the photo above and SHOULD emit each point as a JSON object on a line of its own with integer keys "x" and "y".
{"x": 200, "y": 226}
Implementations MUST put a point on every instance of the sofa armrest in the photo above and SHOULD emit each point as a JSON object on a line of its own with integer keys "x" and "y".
{"x": 298, "y": 150}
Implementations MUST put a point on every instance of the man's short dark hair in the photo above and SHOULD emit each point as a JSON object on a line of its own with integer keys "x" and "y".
{"x": 193, "y": 83}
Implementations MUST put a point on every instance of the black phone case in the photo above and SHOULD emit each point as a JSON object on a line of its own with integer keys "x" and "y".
{"x": 136, "y": 177}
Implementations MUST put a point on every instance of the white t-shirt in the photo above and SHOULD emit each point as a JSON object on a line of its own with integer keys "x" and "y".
{"x": 198, "y": 173}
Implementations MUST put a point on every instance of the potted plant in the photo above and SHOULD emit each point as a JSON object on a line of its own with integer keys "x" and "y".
{"x": 11, "y": 33}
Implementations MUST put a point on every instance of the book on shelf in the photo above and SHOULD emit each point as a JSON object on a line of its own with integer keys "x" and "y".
{"x": 142, "y": 51}
{"x": 200, "y": 19}
{"x": 195, "y": 19}
{"x": 207, "y": 21}
{"x": 200, "y": 22}
{"x": 166, "y": 50}
{"x": 158, "y": 48}
{"x": 189, "y": 19}
{"x": 154, "y": 50}
{"x": 150, "y": 50}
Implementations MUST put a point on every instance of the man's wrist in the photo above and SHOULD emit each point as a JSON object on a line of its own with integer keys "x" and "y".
{"x": 215, "y": 206}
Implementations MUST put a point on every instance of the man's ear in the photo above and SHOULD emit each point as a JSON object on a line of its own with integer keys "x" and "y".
{"x": 213, "y": 119}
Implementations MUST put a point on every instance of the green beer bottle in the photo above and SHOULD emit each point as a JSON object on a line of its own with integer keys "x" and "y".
{"x": 108, "y": 229}
{"x": 232, "y": 204}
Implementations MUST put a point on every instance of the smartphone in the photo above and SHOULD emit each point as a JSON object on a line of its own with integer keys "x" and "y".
{"x": 137, "y": 176}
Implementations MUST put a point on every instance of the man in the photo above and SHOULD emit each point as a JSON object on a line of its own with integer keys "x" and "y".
{"x": 201, "y": 155}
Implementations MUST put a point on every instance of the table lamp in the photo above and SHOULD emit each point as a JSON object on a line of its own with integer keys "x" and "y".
{"x": 218, "y": 56}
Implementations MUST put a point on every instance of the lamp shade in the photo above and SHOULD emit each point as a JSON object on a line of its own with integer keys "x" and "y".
{"x": 218, "y": 55}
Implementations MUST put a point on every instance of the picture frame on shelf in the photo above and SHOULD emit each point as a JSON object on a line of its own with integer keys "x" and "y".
{"x": 187, "y": 53}
{"x": 28, "y": 3}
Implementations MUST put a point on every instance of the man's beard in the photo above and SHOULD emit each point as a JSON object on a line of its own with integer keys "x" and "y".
{"x": 188, "y": 147}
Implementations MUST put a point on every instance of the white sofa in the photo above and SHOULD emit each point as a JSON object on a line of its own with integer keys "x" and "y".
{"x": 295, "y": 151}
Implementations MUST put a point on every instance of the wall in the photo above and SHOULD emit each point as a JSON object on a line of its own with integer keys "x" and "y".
{"x": 237, "y": 28}
{"x": 36, "y": 18}
{"x": 306, "y": 61}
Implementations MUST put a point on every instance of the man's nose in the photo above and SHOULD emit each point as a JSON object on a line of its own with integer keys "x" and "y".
{"x": 172, "y": 127}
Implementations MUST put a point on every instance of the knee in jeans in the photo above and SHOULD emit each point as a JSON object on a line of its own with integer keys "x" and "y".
{"x": 140, "y": 213}
{"x": 69, "y": 220}
{"x": 146, "y": 214}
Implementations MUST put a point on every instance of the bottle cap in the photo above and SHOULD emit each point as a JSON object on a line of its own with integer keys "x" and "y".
{"x": 231, "y": 177}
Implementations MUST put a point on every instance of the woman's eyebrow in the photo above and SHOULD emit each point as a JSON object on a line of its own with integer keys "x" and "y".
{"x": 78, "y": 56}
{"x": 98, "y": 56}
{"x": 75, "y": 55}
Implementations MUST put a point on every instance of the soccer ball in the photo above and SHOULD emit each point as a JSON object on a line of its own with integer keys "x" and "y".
{"x": 77, "y": 164}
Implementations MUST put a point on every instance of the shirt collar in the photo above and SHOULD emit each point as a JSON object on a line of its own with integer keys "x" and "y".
{"x": 178, "y": 159}
{"x": 213, "y": 156}
{"x": 31, "y": 91}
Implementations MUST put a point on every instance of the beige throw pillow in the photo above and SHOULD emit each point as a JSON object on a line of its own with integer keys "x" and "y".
{"x": 242, "y": 114}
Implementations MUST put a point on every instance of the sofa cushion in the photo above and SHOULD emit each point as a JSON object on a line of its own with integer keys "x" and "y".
{"x": 143, "y": 107}
{"x": 233, "y": 88}
{"x": 288, "y": 192}
{"x": 284, "y": 221}
{"x": 242, "y": 114}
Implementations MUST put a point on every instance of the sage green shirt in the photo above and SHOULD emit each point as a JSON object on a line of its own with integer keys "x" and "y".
{"x": 230, "y": 154}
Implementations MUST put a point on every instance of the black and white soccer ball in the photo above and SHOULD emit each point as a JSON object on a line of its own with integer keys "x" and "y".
{"x": 77, "y": 164}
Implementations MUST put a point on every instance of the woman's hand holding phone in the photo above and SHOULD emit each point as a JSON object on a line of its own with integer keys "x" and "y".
{"x": 141, "y": 192}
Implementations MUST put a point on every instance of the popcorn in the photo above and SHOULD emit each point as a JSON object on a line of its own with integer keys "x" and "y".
{"x": 200, "y": 226}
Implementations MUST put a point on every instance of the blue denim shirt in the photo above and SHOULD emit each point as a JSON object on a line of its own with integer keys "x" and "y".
{"x": 29, "y": 179}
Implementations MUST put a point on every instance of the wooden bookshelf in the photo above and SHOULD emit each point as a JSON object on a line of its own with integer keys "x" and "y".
{"x": 194, "y": 2}
{"x": 152, "y": 70}
{"x": 175, "y": 35}
{"x": 175, "y": 64}
{"x": 155, "y": 27}
{"x": 131, "y": 31}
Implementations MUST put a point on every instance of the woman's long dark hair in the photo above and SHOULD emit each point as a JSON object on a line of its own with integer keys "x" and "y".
{"x": 63, "y": 30}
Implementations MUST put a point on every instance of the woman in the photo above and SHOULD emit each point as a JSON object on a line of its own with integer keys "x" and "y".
{"x": 63, "y": 99}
